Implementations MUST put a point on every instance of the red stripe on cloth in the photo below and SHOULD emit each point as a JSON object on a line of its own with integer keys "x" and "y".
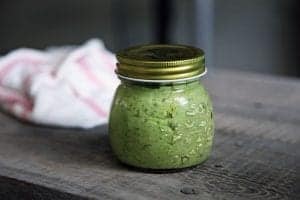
{"x": 84, "y": 66}
{"x": 12, "y": 64}
{"x": 108, "y": 62}
{"x": 90, "y": 103}
{"x": 24, "y": 114}
{"x": 93, "y": 105}
{"x": 11, "y": 97}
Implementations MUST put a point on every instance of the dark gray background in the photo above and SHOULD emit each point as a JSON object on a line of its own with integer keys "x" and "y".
{"x": 256, "y": 35}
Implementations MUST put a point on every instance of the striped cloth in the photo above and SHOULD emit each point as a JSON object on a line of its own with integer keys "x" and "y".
{"x": 61, "y": 86}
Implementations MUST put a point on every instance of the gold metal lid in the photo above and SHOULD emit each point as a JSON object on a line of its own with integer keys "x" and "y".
{"x": 160, "y": 62}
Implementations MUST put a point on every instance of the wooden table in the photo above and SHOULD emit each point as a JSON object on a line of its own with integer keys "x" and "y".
{"x": 255, "y": 156}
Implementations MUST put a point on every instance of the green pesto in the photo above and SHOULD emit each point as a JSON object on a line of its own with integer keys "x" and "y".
{"x": 161, "y": 126}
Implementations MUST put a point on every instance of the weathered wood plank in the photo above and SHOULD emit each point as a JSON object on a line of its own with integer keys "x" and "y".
{"x": 255, "y": 156}
{"x": 264, "y": 105}
{"x": 15, "y": 189}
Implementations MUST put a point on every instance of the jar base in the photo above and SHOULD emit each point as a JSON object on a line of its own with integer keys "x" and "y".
{"x": 161, "y": 171}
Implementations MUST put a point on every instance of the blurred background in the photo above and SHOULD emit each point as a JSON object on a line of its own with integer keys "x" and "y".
{"x": 256, "y": 35}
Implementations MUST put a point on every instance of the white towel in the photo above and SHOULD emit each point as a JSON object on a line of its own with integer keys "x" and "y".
{"x": 61, "y": 86}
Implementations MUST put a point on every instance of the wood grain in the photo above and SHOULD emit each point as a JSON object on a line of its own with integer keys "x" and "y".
{"x": 255, "y": 156}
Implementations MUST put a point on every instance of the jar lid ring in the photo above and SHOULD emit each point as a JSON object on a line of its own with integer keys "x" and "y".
{"x": 163, "y": 81}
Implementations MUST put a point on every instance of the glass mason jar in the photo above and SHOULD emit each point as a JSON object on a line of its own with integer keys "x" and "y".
{"x": 161, "y": 117}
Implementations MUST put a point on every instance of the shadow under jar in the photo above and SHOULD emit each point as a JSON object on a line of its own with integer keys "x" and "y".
{"x": 161, "y": 117}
